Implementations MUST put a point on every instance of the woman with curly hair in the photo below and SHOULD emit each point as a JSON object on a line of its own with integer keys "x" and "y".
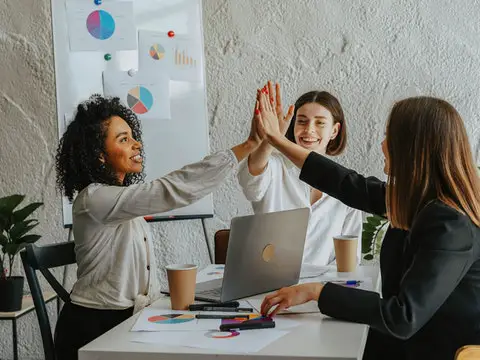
{"x": 99, "y": 166}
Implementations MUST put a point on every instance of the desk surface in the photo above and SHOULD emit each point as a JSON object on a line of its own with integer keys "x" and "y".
{"x": 316, "y": 337}
{"x": 27, "y": 305}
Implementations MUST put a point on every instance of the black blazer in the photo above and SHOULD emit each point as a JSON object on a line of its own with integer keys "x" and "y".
{"x": 430, "y": 304}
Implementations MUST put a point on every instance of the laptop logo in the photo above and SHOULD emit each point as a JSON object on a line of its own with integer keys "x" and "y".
{"x": 268, "y": 253}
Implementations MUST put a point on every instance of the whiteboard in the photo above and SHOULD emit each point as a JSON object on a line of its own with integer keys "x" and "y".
{"x": 169, "y": 143}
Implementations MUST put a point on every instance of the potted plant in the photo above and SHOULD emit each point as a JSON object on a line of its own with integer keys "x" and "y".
{"x": 14, "y": 236}
{"x": 373, "y": 231}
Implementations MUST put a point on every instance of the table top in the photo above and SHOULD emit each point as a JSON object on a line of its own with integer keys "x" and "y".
{"x": 317, "y": 336}
{"x": 27, "y": 306}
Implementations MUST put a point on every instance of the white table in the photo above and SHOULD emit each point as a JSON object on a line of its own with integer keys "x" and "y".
{"x": 317, "y": 337}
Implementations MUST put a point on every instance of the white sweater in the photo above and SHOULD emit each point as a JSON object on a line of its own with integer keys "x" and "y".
{"x": 113, "y": 243}
{"x": 279, "y": 188}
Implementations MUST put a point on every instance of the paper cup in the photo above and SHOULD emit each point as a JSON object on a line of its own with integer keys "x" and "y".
{"x": 181, "y": 284}
{"x": 346, "y": 252}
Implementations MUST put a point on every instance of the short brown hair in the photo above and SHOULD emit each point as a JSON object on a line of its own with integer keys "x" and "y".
{"x": 430, "y": 158}
{"x": 331, "y": 103}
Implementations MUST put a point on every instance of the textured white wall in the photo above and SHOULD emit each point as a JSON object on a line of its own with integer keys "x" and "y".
{"x": 369, "y": 53}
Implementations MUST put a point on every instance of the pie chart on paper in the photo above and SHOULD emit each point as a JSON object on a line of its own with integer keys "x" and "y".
{"x": 157, "y": 51}
{"x": 100, "y": 24}
{"x": 140, "y": 99}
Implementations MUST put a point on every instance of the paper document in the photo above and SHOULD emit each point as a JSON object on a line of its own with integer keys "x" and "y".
{"x": 309, "y": 307}
{"x": 172, "y": 320}
{"x": 247, "y": 341}
{"x": 309, "y": 271}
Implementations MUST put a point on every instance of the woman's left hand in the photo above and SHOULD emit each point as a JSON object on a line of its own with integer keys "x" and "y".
{"x": 290, "y": 296}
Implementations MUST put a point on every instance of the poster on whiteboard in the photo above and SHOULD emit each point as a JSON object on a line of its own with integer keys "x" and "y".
{"x": 178, "y": 56}
{"x": 147, "y": 94}
{"x": 109, "y": 26}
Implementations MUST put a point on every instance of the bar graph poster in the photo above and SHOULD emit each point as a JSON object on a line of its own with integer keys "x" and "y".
{"x": 177, "y": 56}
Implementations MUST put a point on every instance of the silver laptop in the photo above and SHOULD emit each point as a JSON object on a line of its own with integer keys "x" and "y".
{"x": 264, "y": 253}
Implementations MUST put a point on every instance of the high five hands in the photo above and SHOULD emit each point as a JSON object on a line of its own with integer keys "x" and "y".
{"x": 270, "y": 119}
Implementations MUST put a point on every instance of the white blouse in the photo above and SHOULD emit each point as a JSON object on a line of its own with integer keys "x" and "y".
{"x": 280, "y": 188}
{"x": 113, "y": 243}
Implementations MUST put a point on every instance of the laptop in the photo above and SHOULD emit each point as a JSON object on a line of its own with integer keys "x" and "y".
{"x": 264, "y": 253}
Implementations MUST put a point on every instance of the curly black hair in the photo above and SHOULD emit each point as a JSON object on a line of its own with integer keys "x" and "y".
{"x": 81, "y": 146}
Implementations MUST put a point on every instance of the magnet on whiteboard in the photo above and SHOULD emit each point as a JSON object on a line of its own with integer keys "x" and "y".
{"x": 132, "y": 72}
{"x": 97, "y": 2}
{"x": 171, "y": 33}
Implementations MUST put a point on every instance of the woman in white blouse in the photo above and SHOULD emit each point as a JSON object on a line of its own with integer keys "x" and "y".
{"x": 100, "y": 160}
{"x": 271, "y": 182}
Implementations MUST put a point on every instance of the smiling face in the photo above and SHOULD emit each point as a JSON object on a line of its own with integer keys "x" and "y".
{"x": 314, "y": 127}
{"x": 122, "y": 151}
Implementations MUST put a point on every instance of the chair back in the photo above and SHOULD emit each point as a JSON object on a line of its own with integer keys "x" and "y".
{"x": 468, "y": 352}
{"x": 221, "y": 245}
{"x": 43, "y": 258}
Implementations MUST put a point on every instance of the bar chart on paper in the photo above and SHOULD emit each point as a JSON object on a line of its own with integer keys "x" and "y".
{"x": 182, "y": 59}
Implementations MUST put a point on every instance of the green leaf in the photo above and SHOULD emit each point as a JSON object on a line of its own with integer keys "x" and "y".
{"x": 22, "y": 214}
{"x": 374, "y": 220}
{"x": 11, "y": 249}
{"x": 22, "y": 228}
{"x": 368, "y": 257}
{"x": 3, "y": 240}
{"x": 8, "y": 203}
{"x": 28, "y": 239}
{"x": 369, "y": 227}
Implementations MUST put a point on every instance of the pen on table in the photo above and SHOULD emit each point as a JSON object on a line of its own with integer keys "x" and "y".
{"x": 212, "y": 316}
{"x": 229, "y": 309}
{"x": 347, "y": 282}
{"x": 230, "y": 304}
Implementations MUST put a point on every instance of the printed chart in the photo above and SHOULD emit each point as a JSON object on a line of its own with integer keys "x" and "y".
{"x": 100, "y": 24}
{"x": 146, "y": 94}
{"x": 171, "y": 318}
{"x": 214, "y": 334}
{"x": 140, "y": 99}
{"x": 157, "y": 52}
{"x": 106, "y": 27}
{"x": 180, "y": 56}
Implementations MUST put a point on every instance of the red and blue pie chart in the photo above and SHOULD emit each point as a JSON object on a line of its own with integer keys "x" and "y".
{"x": 140, "y": 99}
{"x": 171, "y": 318}
{"x": 100, "y": 24}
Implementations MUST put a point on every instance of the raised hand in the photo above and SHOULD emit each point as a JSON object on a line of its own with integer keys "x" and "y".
{"x": 266, "y": 118}
{"x": 283, "y": 119}
{"x": 290, "y": 296}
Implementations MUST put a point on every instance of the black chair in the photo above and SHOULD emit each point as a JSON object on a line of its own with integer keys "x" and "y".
{"x": 43, "y": 258}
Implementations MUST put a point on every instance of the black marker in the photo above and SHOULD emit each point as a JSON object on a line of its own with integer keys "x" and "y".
{"x": 248, "y": 325}
{"x": 208, "y": 316}
{"x": 199, "y": 307}
{"x": 227, "y": 309}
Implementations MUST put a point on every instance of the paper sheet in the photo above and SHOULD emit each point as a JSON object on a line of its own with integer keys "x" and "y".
{"x": 146, "y": 94}
{"x": 152, "y": 319}
{"x": 180, "y": 57}
{"x": 309, "y": 307}
{"x": 211, "y": 272}
{"x": 106, "y": 27}
{"x": 247, "y": 341}
{"x": 310, "y": 271}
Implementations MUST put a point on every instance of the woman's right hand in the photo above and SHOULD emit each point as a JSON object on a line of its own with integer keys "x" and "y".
{"x": 283, "y": 119}
{"x": 268, "y": 125}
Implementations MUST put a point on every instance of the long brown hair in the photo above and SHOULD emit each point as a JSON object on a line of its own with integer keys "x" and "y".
{"x": 331, "y": 103}
{"x": 430, "y": 158}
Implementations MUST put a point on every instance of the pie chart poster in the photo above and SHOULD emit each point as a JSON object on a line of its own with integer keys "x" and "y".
{"x": 109, "y": 26}
{"x": 145, "y": 93}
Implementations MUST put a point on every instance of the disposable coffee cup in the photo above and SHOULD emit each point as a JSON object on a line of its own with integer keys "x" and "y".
{"x": 181, "y": 285}
{"x": 346, "y": 252}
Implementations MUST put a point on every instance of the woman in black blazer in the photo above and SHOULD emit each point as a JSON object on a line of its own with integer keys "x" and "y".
{"x": 430, "y": 257}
